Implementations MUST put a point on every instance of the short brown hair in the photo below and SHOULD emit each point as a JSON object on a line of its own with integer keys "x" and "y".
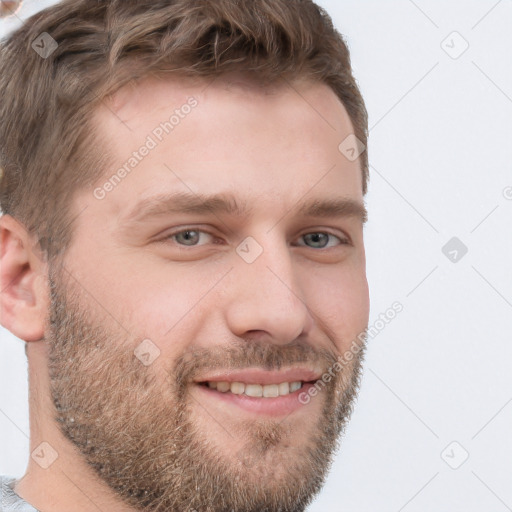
{"x": 48, "y": 148}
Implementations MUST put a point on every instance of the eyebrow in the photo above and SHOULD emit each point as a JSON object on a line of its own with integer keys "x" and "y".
{"x": 342, "y": 207}
{"x": 185, "y": 202}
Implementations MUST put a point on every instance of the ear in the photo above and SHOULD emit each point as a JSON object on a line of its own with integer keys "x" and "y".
{"x": 23, "y": 282}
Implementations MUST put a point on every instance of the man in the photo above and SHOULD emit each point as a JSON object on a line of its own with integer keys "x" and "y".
{"x": 182, "y": 251}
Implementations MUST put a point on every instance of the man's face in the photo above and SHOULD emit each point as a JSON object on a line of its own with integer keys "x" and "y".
{"x": 229, "y": 303}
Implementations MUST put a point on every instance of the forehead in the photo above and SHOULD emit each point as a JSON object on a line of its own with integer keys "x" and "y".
{"x": 236, "y": 85}
{"x": 233, "y": 95}
{"x": 264, "y": 142}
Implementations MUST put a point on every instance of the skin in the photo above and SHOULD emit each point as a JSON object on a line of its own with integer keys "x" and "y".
{"x": 9, "y": 7}
{"x": 270, "y": 148}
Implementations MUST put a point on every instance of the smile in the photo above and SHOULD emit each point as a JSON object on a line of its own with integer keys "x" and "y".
{"x": 256, "y": 390}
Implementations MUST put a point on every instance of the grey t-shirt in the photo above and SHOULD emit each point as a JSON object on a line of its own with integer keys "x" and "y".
{"x": 9, "y": 500}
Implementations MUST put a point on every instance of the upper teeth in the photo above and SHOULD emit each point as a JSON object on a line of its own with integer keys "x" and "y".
{"x": 256, "y": 390}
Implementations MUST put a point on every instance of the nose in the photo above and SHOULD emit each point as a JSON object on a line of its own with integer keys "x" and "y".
{"x": 265, "y": 298}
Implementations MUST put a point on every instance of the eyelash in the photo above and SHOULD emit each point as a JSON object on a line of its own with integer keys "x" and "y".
{"x": 343, "y": 241}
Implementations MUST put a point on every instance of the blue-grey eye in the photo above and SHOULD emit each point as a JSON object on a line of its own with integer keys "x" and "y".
{"x": 188, "y": 237}
{"x": 321, "y": 240}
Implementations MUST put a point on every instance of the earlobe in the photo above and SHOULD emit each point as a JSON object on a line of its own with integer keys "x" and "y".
{"x": 23, "y": 282}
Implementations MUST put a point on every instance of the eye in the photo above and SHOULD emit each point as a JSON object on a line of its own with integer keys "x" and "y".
{"x": 320, "y": 240}
{"x": 188, "y": 237}
{"x": 194, "y": 237}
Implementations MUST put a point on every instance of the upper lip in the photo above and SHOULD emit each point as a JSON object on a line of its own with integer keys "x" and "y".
{"x": 259, "y": 376}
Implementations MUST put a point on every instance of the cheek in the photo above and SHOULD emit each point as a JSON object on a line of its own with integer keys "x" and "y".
{"x": 340, "y": 298}
{"x": 165, "y": 303}
{"x": 146, "y": 300}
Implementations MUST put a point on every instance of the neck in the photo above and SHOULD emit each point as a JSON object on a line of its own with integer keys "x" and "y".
{"x": 57, "y": 478}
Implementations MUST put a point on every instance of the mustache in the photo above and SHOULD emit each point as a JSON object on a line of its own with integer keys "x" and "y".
{"x": 239, "y": 355}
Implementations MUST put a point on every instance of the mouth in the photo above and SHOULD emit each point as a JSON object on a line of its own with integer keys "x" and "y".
{"x": 260, "y": 392}
{"x": 256, "y": 390}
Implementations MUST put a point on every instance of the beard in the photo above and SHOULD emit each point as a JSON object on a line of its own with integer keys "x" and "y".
{"x": 134, "y": 424}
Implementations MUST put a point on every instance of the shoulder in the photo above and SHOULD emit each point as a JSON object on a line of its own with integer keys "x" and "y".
{"x": 9, "y": 500}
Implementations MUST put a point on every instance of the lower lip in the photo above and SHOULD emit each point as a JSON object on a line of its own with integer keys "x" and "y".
{"x": 277, "y": 406}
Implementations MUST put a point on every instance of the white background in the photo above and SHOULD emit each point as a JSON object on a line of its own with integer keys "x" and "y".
{"x": 441, "y": 154}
